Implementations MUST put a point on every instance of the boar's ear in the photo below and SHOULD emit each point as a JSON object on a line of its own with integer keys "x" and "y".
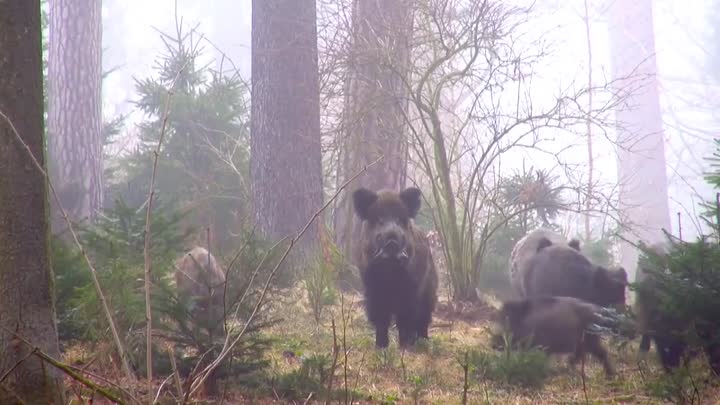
{"x": 362, "y": 200}
{"x": 412, "y": 198}
{"x": 575, "y": 244}
{"x": 543, "y": 243}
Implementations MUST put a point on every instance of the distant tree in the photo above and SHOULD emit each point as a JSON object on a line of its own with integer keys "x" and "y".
{"x": 286, "y": 165}
{"x": 642, "y": 178}
{"x": 535, "y": 196}
{"x": 26, "y": 295}
{"x": 376, "y": 103}
{"x": 204, "y": 162}
{"x": 74, "y": 108}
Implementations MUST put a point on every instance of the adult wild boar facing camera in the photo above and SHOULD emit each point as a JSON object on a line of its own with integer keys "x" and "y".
{"x": 396, "y": 265}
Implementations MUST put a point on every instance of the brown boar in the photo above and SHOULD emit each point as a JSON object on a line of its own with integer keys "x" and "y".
{"x": 558, "y": 325}
{"x": 525, "y": 249}
{"x": 561, "y": 270}
{"x": 398, "y": 273}
{"x": 199, "y": 278}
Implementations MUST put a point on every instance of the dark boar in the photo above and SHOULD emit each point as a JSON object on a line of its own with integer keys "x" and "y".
{"x": 198, "y": 277}
{"x": 525, "y": 249}
{"x": 558, "y": 325}
{"x": 561, "y": 270}
{"x": 668, "y": 331}
{"x": 396, "y": 265}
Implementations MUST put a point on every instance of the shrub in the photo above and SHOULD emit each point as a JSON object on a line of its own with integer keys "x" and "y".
{"x": 521, "y": 366}
{"x": 115, "y": 245}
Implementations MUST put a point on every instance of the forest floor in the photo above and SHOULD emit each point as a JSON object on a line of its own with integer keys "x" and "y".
{"x": 432, "y": 372}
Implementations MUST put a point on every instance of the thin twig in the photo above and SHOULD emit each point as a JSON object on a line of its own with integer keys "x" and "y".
{"x": 582, "y": 369}
{"x": 588, "y": 122}
{"x": 679, "y": 226}
{"x": 7, "y": 373}
{"x": 176, "y": 374}
{"x": 146, "y": 249}
{"x": 221, "y": 357}
{"x": 227, "y": 274}
{"x": 335, "y": 352}
{"x": 162, "y": 385}
{"x": 344, "y": 344}
{"x": 466, "y": 380}
{"x": 93, "y": 272}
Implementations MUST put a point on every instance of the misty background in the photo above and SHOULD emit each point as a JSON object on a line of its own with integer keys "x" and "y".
{"x": 685, "y": 77}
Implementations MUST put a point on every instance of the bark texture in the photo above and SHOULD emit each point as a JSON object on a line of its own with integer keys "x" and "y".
{"x": 74, "y": 108}
{"x": 286, "y": 167}
{"x": 642, "y": 177}
{"x": 376, "y": 106}
{"x": 26, "y": 298}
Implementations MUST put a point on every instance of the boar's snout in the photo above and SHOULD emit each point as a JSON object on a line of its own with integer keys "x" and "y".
{"x": 392, "y": 244}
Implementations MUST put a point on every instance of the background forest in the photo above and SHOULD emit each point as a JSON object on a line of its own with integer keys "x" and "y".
{"x": 253, "y": 154}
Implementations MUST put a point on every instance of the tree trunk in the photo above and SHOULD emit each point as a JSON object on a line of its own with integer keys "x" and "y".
{"x": 26, "y": 296}
{"x": 377, "y": 104}
{"x": 286, "y": 166}
{"x": 74, "y": 108}
{"x": 641, "y": 149}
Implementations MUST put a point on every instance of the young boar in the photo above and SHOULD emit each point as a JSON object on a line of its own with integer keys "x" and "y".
{"x": 396, "y": 265}
{"x": 198, "y": 277}
{"x": 558, "y": 325}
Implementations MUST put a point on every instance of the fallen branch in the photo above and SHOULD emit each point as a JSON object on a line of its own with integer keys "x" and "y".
{"x": 64, "y": 368}
{"x": 93, "y": 272}
{"x": 226, "y": 351}
{"x": 10, "y": 370}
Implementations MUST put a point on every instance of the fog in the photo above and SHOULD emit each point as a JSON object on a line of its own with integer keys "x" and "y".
{"x": 551, "y": 39}
{"x": 131, "y": 44}
{"x": 241, "y": 197}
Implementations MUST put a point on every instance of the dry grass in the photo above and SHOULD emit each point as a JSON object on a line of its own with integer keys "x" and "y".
{"x": 431, "y": 373}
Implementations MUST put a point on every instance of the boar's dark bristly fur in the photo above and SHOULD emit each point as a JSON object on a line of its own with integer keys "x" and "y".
{"x": 561, "y": 270}
{"x": 526, "y": 248}
{"x": 558, "y": 325}
{"x": 396, "y": 265}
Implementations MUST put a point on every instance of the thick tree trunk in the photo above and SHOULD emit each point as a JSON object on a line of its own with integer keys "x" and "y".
{"x": 286, "y": 166}
{"x": 641, "y": 147}
{"x": 74, "y": 108}
{"x": 26, "y": 297}
{"x": 377, "y": 104}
